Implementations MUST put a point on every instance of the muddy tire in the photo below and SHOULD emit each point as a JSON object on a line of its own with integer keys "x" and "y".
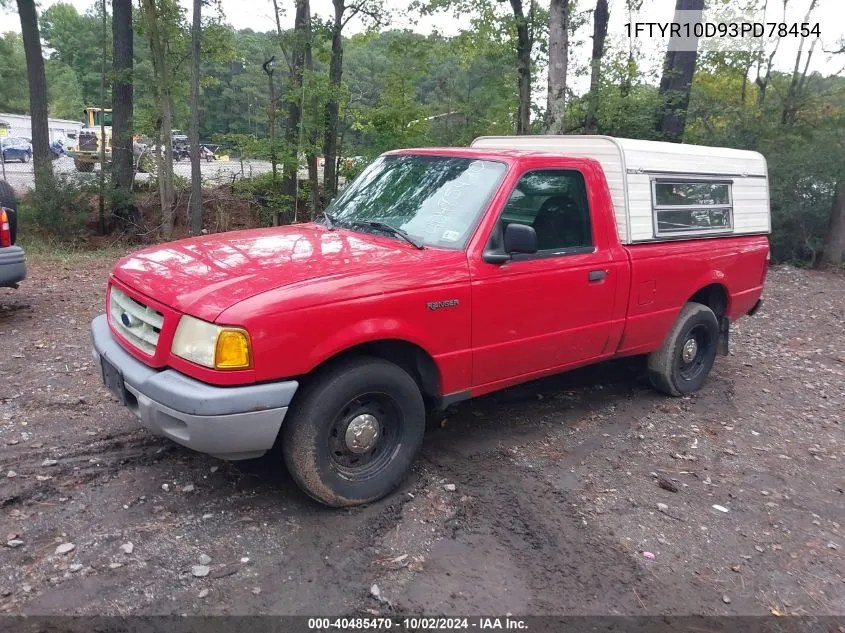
{"x": 354, "y": 431}
{"x": 684, "y": 361}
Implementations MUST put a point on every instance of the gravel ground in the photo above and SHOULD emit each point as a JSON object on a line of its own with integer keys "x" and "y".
{"x": 586, "y": 493}
{"x": 21, "y": 177}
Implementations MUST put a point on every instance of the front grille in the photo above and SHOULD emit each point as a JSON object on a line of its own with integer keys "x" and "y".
{"x": 137, "y": 323}
{"x": 88, "y": 142}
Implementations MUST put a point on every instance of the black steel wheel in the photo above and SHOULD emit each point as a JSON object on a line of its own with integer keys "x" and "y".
{"x": 684, "y": 361}
{"x": 353, "y": 431}
{"x": 364, "y": 436}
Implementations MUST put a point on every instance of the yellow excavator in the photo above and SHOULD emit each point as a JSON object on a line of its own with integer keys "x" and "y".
{"x": 87, "y": 152}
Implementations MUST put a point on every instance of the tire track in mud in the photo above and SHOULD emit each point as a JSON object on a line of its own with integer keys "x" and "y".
{"x": 543, "y": 544}
{"x": 74, "y": 466}
{"x": 520, "y": 543}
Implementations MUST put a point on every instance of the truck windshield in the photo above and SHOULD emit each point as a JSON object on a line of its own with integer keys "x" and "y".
{"x": 437, "y": 200}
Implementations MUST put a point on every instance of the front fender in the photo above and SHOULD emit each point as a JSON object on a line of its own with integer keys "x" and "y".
{"x": 367, "y": 331}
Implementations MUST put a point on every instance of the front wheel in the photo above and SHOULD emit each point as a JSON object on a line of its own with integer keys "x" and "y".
{"x": 684, "y": 361}
{"x": 354, "y": 432}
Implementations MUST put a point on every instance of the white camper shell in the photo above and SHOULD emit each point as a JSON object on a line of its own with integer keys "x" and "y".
{"x": 664, "y": 191}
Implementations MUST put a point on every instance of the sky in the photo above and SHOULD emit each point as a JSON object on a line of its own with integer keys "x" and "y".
{"x": 830, "y": 14}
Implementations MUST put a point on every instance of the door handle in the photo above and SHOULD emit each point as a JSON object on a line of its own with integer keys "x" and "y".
{"x": 597, "y": 275}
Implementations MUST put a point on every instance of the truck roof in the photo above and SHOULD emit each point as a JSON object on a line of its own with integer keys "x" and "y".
{"x": 481, "y": 153}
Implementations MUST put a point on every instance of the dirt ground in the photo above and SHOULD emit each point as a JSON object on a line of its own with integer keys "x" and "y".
{"x": 563, "y": 497}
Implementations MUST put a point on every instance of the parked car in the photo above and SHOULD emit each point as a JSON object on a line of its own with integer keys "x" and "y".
{"x": 16, "y": 148}
{"x": 12, "y": 257}
{"x": 58, "y": 149}
{"x": 436, "y": 276}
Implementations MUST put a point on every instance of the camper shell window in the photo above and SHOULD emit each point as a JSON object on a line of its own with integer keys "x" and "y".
{"x": 684, "y": 207}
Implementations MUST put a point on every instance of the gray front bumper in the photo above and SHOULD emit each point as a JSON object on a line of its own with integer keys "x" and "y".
{"x": 12, "y": 266}
{"x": 226, "y": 422}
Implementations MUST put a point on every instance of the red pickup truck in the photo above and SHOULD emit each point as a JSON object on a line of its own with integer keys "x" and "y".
{"x": 436, "y": 276}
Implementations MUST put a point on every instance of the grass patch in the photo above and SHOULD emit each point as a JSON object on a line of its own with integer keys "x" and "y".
{"x": 45, "y": 249}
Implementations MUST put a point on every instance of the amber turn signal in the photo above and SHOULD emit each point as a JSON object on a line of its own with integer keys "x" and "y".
{"x": 232, "y": 350}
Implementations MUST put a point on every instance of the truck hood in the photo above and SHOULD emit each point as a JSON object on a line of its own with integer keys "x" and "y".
{"x": 204, "y": 276}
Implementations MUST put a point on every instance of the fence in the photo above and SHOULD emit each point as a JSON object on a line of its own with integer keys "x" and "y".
{"x": 22, "y": 178}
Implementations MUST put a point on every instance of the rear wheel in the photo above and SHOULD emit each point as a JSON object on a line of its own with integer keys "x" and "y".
{"x": 25, "y": 158}
{"x": 684, "y": 361}
{"x": 354, "y": 432}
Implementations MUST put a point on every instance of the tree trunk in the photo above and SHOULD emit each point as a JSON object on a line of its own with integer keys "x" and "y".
{"x": 601, "y": 16}
{"x": 105, "y": 51}
{"x": 558, "y": 63}
{"x": 834, "y": 242}
{"x": 37, "y": 94}
{"x": 676, "y": 82}
{"x": 343, "y": 127}
{"x": 333, "y": 104}
{"x": 630, "y": 65}
{"x": 294, "y": 114}
{"x": 523, "y": 68}
{"x": 314, "y": 133}
{"x": 796, "y": 83}
{"x": 271, "y": 118}
{"x": 194, "y": 129}
{"x": 762, "y": 80}
{"x": 165, "y": 121}
{"x": 122, "y": 100}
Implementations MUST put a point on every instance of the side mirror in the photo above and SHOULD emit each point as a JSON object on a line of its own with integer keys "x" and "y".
{"x": 520, "y": 238}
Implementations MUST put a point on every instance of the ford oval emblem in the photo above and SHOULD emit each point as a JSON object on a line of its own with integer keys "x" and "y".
{"x": 126, "y": 319}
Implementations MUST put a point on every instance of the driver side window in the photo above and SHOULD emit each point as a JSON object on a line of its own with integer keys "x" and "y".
{"x": 554, "y": 203}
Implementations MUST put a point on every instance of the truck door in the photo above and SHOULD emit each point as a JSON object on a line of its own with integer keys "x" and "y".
{"x": 553, "y": 308}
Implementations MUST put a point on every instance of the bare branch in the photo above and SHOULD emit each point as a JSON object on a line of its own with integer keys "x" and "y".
{"x": 281, "y": 35}
{"x": 374, "y": 11}
{"x": 838, "y": 51}
{"x": 802, "y": 81}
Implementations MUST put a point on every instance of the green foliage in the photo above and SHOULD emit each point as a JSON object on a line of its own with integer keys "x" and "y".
{"x": 14, "y": 95}
{"x": 76, "y": 40}
{"x": 236, "y": 95}
{"x": 805, "y": 159}
{"x": 401, "y": 88}
{"x": 63, "y": 90}
{"x": 265, "y": 192}
{"x": 406, "y": 89}
{"x": 61, "y": 211}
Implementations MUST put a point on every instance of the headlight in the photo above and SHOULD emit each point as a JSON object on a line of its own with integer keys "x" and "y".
{"x": 211, "y": 345}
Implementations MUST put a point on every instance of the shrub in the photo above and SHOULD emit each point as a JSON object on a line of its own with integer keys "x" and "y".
{"x": 267, "y": 195}
{"x": 64, "y": 209}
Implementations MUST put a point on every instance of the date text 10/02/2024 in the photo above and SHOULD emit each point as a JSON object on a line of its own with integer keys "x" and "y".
{"x": 722, "y": 29}
{"x": 417, "y": 623}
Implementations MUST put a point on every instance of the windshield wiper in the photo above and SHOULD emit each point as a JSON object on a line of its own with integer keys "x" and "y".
{"x": 387, "y": 228}
{"x": 330, "y": 221}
